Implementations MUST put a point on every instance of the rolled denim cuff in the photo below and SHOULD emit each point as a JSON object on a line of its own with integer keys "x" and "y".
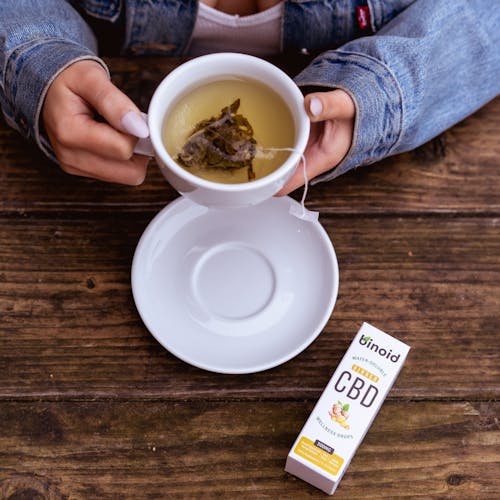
{"x": 30, "y": 70}
{"x": 377, "y": 97}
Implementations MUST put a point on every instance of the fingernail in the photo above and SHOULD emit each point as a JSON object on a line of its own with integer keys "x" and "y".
{"x": 315, "y": 106}
{"x": 134, "y": 124}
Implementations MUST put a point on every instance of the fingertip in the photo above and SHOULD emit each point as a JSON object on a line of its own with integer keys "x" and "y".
{"x": 138, "y": 180}
{"x": 140, "y": 169}
{"x": 134, "y": 124}
{"x": 329, "y": 105}
{"x": 315, "y": 106}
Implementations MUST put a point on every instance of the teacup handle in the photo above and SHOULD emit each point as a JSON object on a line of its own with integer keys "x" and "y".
{"x": 144, "y": 146}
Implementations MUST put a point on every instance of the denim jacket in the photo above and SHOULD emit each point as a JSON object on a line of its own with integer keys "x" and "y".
{"x": 413, "y": 68}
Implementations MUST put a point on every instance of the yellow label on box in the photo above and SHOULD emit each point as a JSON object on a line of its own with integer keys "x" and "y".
{"x": 329, "y": 462}
{"x": 365, "y": 373}
{"x": 346, "y": 408}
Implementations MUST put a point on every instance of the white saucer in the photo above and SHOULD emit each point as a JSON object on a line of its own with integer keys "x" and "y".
{"x": 234, "y": 291}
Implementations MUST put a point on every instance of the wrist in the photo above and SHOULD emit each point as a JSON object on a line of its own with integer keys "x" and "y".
{"x": 377, "y": 99}
{"x": 32, "y": 69}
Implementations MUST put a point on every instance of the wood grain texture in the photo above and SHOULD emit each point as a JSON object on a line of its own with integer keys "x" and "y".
{"x": 92, "y": 407}
{"x": 219, "y": 449}
{"x": 70, "y": 328}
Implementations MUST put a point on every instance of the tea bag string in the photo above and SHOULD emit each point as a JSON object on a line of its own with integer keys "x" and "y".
{"x": 305, "y": 214}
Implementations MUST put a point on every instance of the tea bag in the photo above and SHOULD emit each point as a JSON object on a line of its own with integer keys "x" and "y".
{"x": 225, "y": 141}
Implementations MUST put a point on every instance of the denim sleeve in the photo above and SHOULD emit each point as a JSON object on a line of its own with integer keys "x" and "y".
{"x": 37, "y": 41}
{"x": 431, "y": 66}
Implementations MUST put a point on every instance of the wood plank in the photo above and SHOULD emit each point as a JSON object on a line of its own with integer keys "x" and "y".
{"x": 457, "y": 173}
{"x": 154, "y": 450}
{"x": 69, "y": 327}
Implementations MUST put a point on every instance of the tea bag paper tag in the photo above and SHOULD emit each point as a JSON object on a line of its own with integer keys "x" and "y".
{"x": 303, "y": 213}
{"x": 300, "y": 211}
{"x": 144, "y": 145}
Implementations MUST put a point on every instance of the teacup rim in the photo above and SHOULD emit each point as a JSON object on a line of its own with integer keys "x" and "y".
{"x": 303, "y": 125}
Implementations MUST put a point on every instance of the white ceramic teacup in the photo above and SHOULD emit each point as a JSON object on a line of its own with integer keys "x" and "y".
{"x": 214, "y": 67}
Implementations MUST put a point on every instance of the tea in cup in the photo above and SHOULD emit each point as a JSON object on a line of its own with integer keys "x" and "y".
{"x": 227, "y": 129}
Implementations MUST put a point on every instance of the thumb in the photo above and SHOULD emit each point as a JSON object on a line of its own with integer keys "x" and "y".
{"x": 110, "y": 102}
{"x": 322, "y": 106}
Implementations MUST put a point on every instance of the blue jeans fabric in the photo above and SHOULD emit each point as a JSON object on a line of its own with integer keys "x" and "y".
{"x": 424, "y": 66}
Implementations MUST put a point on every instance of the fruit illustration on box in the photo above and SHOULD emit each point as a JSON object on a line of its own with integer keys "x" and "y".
{"x": 339, "y": 413}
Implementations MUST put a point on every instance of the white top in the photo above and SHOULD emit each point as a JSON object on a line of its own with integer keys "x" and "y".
{"x": 258, "y": 34}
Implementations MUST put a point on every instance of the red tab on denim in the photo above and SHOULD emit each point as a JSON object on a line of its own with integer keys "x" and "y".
{"x": 363, "y": 14}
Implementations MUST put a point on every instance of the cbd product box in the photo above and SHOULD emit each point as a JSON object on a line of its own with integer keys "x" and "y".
{"x": 346, "y": 409}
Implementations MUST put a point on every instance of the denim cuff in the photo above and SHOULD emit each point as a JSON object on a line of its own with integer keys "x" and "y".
{"x": 377, "y": 97}
{"x": 30, "y": 70}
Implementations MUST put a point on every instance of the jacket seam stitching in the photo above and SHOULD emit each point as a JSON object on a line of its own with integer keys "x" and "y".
{"x": 399, "y": 92}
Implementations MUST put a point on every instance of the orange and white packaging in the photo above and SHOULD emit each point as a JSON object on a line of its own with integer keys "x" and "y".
{"x": 346, "y": 409}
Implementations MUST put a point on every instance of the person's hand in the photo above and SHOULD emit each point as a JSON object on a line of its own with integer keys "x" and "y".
{"x": 332, "y": 126}
{"x": 84, "y": 145}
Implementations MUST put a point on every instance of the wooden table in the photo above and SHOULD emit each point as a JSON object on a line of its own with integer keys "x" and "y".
{"x": 91, "y": 406}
